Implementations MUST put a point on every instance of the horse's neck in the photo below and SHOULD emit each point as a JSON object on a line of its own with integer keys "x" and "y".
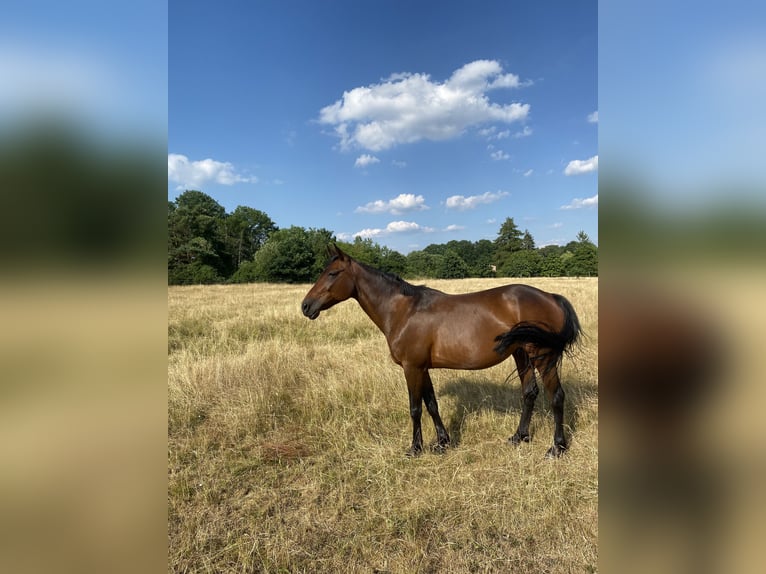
{"x": 375, "y": 300}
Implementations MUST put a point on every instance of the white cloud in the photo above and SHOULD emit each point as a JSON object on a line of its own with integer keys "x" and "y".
{"x": 526, "y": 132}
{"x": 194, "y": 174}
{"x": 499, "y": 155}
{"x": 491, "y": 133}
{"x": 578, "y": 203}
{"x": 462, "y": 203}
{"x": 398, "y": 163}
{"x": 578, "y": 167}
{"x": 394, "y": 227}
{"x": 365, "y": 159}
{"x": 454, "y": 227}
{"x": 593, "y": 118}
{"x": 406, "y": 108}
{"x": 528, "y": 172}
{"x": 400, "y": 204}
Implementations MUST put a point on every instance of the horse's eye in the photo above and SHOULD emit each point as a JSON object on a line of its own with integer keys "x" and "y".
{"x": 333, "y": 273}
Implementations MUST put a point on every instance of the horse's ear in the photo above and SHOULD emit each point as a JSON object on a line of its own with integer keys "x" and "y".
{"x": 334, "y": 251}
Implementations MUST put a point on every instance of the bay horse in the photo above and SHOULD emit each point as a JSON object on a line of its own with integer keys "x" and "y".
{"x": 428, "y": 329}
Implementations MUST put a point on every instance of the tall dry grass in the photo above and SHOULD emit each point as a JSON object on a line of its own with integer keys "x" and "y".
{"x": 287, "y": 439}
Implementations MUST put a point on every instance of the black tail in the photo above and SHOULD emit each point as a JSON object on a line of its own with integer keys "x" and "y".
{"x": 558, "y": 343}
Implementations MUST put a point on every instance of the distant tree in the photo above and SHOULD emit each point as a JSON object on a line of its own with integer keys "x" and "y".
{"x": 452, "y": 266}
{"x": 509, "y": 238}
{"x": 392, "y": 261}
{"x": 584, "y": 260}
{"x": 195, "y": 273}
{"x": 550, "y": 264}
{"x": 423, "y": 265}
{"x": 319, "y": 239}
{"x": 196, "y": 235}
{"x": 247, "y": 229}
{"x": 527, "y": 241}
{"x": 364, "y": 250}
{"x": 286, "y": 257}
{"x": 483, "y": 259}
{"x": 522, "y": 263}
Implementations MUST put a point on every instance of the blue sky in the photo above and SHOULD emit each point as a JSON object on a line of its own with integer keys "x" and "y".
{"x": 408, "y": 122}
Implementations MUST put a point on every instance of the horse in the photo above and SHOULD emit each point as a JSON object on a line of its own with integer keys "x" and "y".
{"x": 428, "y": 329}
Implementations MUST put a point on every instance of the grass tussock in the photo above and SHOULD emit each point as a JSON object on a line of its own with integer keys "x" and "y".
{"x": 287, "y": 440}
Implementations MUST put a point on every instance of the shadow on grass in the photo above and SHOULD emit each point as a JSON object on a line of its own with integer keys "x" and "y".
{"x": 474, "y": 396}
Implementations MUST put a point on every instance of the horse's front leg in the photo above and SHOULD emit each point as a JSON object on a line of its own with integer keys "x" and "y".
{"x": 414, "y": 378}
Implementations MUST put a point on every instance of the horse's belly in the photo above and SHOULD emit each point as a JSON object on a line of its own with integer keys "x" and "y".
{"x": 465, "y": 353}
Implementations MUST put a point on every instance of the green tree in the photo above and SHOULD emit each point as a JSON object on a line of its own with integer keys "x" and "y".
{"x": 287, "y": 257}
{"x": 319, "y": 239}
{"x": 452, "y": 266}
{"x": 196, "y": 235}
{"x": 364, "y": 250}
{"x": 522, "y": 263}
{"x": 584, "y": 260}
{"x": 247, "y": 229}
{"x": 550, "y": 264}
{"x": 423, "y": 265}
{"x": 509, "y": 238}
{"x": 483, "y": 259}
{"x": 392, "y": 261}
{"x": 527, "y": 241}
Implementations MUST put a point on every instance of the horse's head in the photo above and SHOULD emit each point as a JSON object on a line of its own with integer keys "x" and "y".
{"x": 334, "y": 285}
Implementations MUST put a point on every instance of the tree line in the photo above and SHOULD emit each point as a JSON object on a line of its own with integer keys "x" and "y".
{"x": 208, "y": 245}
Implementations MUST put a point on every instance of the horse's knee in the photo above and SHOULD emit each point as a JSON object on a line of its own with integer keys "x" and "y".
{"x": 530, "y": 394}
{"x": 416, "y": 412}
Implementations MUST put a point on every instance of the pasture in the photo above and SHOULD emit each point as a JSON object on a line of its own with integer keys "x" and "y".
{"x": 287, "y": 441}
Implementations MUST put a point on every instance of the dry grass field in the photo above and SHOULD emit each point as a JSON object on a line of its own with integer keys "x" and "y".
{"x": 287, "y": 440}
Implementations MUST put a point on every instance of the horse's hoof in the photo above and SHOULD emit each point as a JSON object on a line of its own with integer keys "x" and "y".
{"x": 556, "y": 451}
{"x": 517, "y": 439}
{"x": 440, "y": 447}
{"x": 413, "y": 452}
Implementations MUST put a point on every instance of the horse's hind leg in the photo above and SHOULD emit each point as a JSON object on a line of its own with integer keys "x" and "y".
{"x": 529, "y": 393}
{"x": 429, "y": 397}
{"x": 555, "y": 394}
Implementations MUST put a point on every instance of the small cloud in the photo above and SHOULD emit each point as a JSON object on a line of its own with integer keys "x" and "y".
{"x": 491, "y": 133}
{"x": 526, "y": 132}
{"x": 398, "y": 163}
{"x": 578, "y": 203}
{"x": 400, "y": 204}
{"x": 462, "y": 202}
{"x": 365, "y": 159}
{"x": 394, "y": 227}
{"x": 557, "y": 225}
{"x": 194, "y": 174}
{"x": 499, "y": 155}
{"x": 528, "y": 172}
{"x": 492, "y": 220}
{"x": 579, "y": 167}
{"x": 593, "y": 118}
{"x": 454, "y": 227}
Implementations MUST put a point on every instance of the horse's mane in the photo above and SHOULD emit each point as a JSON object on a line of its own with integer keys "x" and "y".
{"x": 397, "y": 284}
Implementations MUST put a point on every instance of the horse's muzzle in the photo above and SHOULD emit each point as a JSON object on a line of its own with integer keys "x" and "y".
{"x": 309, "y": 310}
